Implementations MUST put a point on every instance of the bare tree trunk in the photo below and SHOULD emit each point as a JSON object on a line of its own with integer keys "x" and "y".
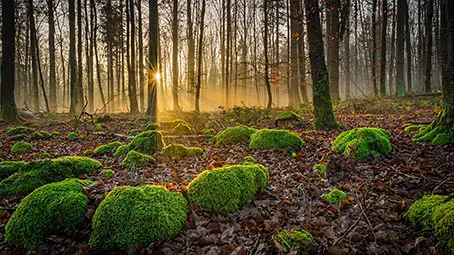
{"x": 152, "y": 107}
{"x": 400, "y": 80}
{"x": 408, "y": 47}
{"x": 333, "y": 8}
{"x": 134, "y": 108}
{"x": 95, "y": 45}
{"x": 74, "y": 108}
{"x": 383, "y": 48}
{"x": 52, "y": 78}
{"x": 302, "y": 55}
{"x": 191, "y": 47}
{"x": 294, "y": 98}
{"x": 428, "y": 25}
{"x": 80, "y": 91}
{"x": 34, "y": 78}
{"x": 141, "y": 52}
{"x": 227, "y": 56}
{"x": 374, "y": 46}
{"x": 175, "y": 70}
{"x": 199, "y": 61}
{"x": 265, "y": 46}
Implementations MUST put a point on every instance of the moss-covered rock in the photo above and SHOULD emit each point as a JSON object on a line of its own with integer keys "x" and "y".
{"x": 53, "y": 208}
{"x": 20, "y": 130}
{"x": 443, "y": 218}
{"x": 152, "y": 126}
{"x": 441, "y": 130}
{"x": 130, "y": 217}
{"x": 234, "y": 135}
{"x": 106, "y": 148}
{"x": 179, "y": 151}
{"x": 249, "y": 160}
{"x": 288, "y": 115}
{"x": 21, "y": 147}
{"x": 147, "y": 142}
{"x": 320, "y": 168}
{"x": 335, "y": 196}
{"x": 182, "y": 129}
{"x": 275, "y": 139}
{"x": 209, "y": 131}
{"x": 41, "y": 135}
{"x": 412, "y": 128}
{"x": 18, "y": 137}
{"x": 136, "y": 159}
{"x": 104, "y": 118}
{"x": 38, "y": 173}
{"x": 74, "y": 136}
{"x": 421, "y": 211}
{"x": 108, "y": 172}
{"x": 228, "y": 188}
{"x": 121, "y": 150}
{"x": 363, "y": 143}
{"x": 298, "y": 239}
{"x": 8, "y": 168}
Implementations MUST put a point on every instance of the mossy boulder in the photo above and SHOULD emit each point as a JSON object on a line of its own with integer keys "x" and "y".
{"x": 147, "y": 142}
{"x": 320, "y": 168}
{"x": 136, "y": 159}
{"x": 8, "y": 168}
{"x": 106, "y": 148}
{"x": 412, "y": 128}
{"x": 363, "y": 143}
{"x": 108, "y": 172}
{"x": 179, "y": 151}
{"x": 249, "y": 160}
{"x": 152, "y": 126}
{"x": 38, "y": 173}
{"x": 228, "y": 188}
{"x": 53, "y": 208}
{"x": 182, "y": 129}
{"x": 275, "y": 139}
{"x": 121, "y": 150}
{"x": 288, "y": 115}
{"x": 21, "y": 147}
{"x": 18, "y": 137}
{"x": 20, "y": 130}
{"x": 74, "y": 136}
{"x": 41, "y": 135}
{"x": 335, "y": 196}
{"x": 234, "y": 135}
{"x": 130, "y": 217}
{"x": 421, "y": 211}
{"x": 443, "y": 218}
{"x": 296, "y": 239}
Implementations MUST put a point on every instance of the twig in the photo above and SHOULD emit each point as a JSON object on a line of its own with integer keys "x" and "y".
{"x": 364, "y": 213}
{"x": 441, "y": 184}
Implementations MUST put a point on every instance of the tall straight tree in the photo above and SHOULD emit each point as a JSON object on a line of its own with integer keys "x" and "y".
{"x": 374, "y": 46}
{"x": 80, "y": 91}
{"x": 152, "y": 105}
{"x": 408, "y": 46}
{"x": 141, "y": 52}
{"x": 400, "y": 78}
{"x": 265, "y": 46}
{"x": 175, "y": 70}
{"x": 294, "y": 98}
{"x": 383, "y": 48}
{"x": 34, "y": 79}
{"x": 8, "y": 110}
{"x": 199, "y": 59}
{"x": 302, "y": 54}
{"x": 323, "y": 109}
{"x": 134, "y": 107}
{"x": 191, "y": 46}
{"x": 75, "y": 103}
{"x": 428, "y": 64}
{"x": 332, "y": 11}
{"x": 52, "y": 75}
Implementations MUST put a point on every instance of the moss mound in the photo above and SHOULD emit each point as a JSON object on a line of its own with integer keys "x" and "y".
{"x": 412, "y": 128}
{"x": 52, "y": 208}
{"x": 20, "y": 130}
{"x": 443, "y": 218}
{"x": 41, "y": 135}
{"x": 335, "y": 196}
{"x": 228, "y": 188}
{"x": 130, "y": 217}
{"x": 234, "y": 135}
{"x": 38, "y": 173}
{"x": 179, "y": 151}
{"x": 121, "y": 150}
{"x": 362, "y": 143}
{"x": 108, "y": 173}
{"x": 21, "y": 147}
{"x": 74, "y": 136}
{"x": 275, "y": 139}
{"x": 136, "y": 159}
{"x": 321, "y": 169}
{"x": 182, "y": 129}
{"x": 147, "y": 142}
{"x": 421, "y": 211}
{"x": 298, "y": 239}
{"x": 107, "y": 148}
{"x": 8, "y": 168}
{"x": 288, "y": 115}
{"x": 18, "y": 137}
{"x": 436, "y": 135}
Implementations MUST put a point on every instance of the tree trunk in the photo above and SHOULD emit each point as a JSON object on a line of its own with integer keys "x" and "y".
{"x": 374, "y": 46}
{"x": 333, "y": 7}
{"x": 152, "y": 104}
{"x": 80, "y": 91}
{"x": 95, "y": 46}
{"x": 52, "y": 77}
{"x": 34, "y": 78}
{"x": 295, "y": 15}
{"x": 383, "y": 48}
{"x": 74, "y": 108}
{"x": 199, "y": 60}
{"x": 227, "y": 54}
{"x": 408, "y": 47}
{"x": 134, "y": 107}
{"x": 265, "y": 46}
{"x": 400, "y": 79}
{"x": 8, "y": 110}
{"x": 89, "y": 56}
{"x": 428, "y": 66}
{"x": 323, "y": 109}
{"x": 141, "y": 52}
{"x": 191, "y": 47}
{"x": 175, "y": 71}
{"x": 302, "y": 55}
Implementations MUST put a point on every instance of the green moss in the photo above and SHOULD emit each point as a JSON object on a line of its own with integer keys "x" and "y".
{"x": 53, "y": 208}
{"x": 107, "y": 148}
{"x": 441, "y": 130}
{"x": 8, "y": 168}
{"x": 45, "y": 155}
{"x": 40, "y": 135}
{"x": 18, "y": 137}
{"x": 98, "y": 127}
{"x": 179, "y": 151}
{"x": 275, "y": 139}
{"x": 134, "y": 131}
{"x": 234, "y": 135}
{"x": 20, "y": 130}
{"x": 335, "y": 196}
{"x": 249, "y": 160}
{"x": 130, "y": 217}
{"x": 108, "y": 172}
{"x": 362, "y": 143}
{"x": 228, "y": 188}
{"x": 136, "y": 159}
{"x": 421, "y": 211}
{"x": 209, "y": 131}
{"x": 55, "y": 133}
{"x": 74, "y": 136}
{"x": 443, "y": 218}
{"x": 412, "y": 128}
{"x": 104, "y": 118}
{"x": 21, "y": 147}
{"x": 121, "y": 150}
{"x": 298, "y": 239}
{"x": 288, "y": 115}
{"x": 152, "y": 126}
{"x": 147, "y": 142}
{"x": 321, "y": 169}
{"x": 182, "y": 129}
{"x": 41, "y": 172}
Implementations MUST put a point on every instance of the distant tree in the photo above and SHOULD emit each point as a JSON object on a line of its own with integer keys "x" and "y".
{"x": 383, "y": 48}
{"x": 265, "y": 46}
{"x": 175, "y": 69}
{"x": 294, "y": 27}
{"x": 33, "y": 44}
{"x": 133, "y": 104}
{"x": 332, "y": 15}
{"x": 400, "y": 78}
{"x": 323, "y": 109}
{"x": 199, "y": 59}
{"x": 75, "y": 104}
{"x": 52, "y": 75}
{"x": 8, "y": 110}
{"x": 152, "y": 105}
{"x": 428, "y": 52}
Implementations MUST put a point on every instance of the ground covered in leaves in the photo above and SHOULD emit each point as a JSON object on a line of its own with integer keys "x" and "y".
{"x": 372, "y": 220}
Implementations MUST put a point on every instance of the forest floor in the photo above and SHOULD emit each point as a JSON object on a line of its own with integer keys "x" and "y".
{"x": 372, "y": 220}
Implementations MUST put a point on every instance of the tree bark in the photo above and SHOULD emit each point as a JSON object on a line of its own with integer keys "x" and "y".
{"x": 383, "y": 48}
{"x": 141, "y": 52}
{"x": 428, "y": 66}
{"x": 295, "y": 37}
{"x": 152, "y": 105}
{"x": 52, "y": 76}
{"x": 80, "y": 90}
{"x": 199, "y": 60}
{"x": 400, "y": 80}
{"x": 134, "y": 108}
{"x": 74, "y": 108}
{"x": 408, "y": 47}
{"x": 265, "y": 46}
{"x": 175, "y": 70}
{"x": 34, "y": 78}
{"x": 333, "y": 7}
{"x": 191, "y": 47}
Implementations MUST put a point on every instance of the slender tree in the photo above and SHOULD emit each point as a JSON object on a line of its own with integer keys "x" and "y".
{"x": 33, "y": 39}
{"x": 294, "y": 27}
{"x": 175, "y": 70}
{"x": 428, "y": 64}
{"x": 152, "y": 105}
{"x": 134, "y": 107}
{"x": 141, "y": 52}
{"x": 383, "y": 48}
{"x": 323, "y": 109}
{"x": 52, "y": 75}
{"x": 408, "y": 46}
{"x": 332, "y": 12}
{"x": 75, "y": 103}
{"x": 191, "y": 47}
{"x": 265, "y": 46}
{"x": 80, "y": 90}
{"x": 199, "y": 59}
{"x": 302, "y": 54}
{"x": 400, "y": 78}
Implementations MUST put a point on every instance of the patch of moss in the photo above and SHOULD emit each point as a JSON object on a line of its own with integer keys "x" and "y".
{"x": 108, "y": 172}
{"x": 106, "y": 148}
{"x": 209, "y": 131}
{"x": 40, "y": 135}
{"x": 275, "y": 139}
{"x": 52, "y": 208}
{"x": 443, "y": 218}
{"x": 134, "y": 131}
{"x": 121, "y": 150}
{"x": 8, "y": 168}
{"x": 152, "y": 126}
{"x": 363, "y": 143}
{"x": 321, "y": 169}
{"x": 421, "y": 211}
{"x": 38, "y": 173}
{"x": 136, "y": 159}
{"x": 104, "y": 118}
{"x": 21, "y": 147}
{"x": 298, "y": 239}
{"x": 130, "y": 217}
{"x": 179, "y": 151}
{"x": 19, "y": 130}
{"x": 45, "y": 155}
{"x": 147, "y": 142}
{"x": 18, "y": 137}
{"x": 55, "y": 133}
{"x": 412, "y": 128}
{"x": 234, "y": 135}
{"x": 335, "y": 196}
{"x": 228, "y": 188}
{"x": 182, "y": 129}
{"x": 288, "y": 115}
{"x": 441, "y": 130}
{"x": 74, "y": 136}
{"x": 98, "y": 127}
{"x": 249, "y": 160}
